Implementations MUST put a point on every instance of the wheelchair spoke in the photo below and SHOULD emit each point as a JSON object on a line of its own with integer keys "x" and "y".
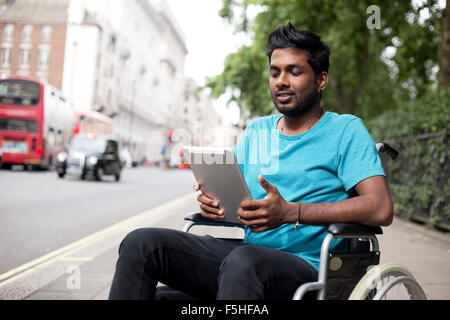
{"x": 397, "y": 292}
{"x": 388, "y": 282}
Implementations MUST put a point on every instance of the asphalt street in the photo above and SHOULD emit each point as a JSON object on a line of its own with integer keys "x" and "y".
{"x": 40, "y": 212}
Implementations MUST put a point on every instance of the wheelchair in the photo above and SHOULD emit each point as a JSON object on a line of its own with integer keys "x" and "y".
{"x": 354, "y": 275}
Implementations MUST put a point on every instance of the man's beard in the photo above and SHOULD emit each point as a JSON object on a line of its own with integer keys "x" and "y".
{"x": 301, "y": 107}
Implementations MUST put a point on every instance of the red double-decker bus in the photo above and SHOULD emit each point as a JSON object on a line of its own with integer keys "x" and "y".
{"x": 36, "y": 122}
{"x": 92, "y": 122}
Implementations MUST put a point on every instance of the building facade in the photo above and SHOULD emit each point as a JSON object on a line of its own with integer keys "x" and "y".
{"x": 33, "y": 39}
{"x": 139, "y": 80}
{"x": 130, "y": 69}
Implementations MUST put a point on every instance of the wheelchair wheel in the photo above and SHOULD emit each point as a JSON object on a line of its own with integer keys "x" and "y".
{"x": 390, "y": 281}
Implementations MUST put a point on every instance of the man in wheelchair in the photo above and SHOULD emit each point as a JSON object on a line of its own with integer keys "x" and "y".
{"x": 327, "y": 171}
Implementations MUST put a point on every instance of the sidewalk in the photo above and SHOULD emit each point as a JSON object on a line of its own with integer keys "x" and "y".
{"x": 85, "y": 269}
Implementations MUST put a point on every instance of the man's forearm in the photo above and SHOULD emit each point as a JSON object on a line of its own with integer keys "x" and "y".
{"x": 365, "y": 209}
{"x": 372, "y": 206}
{"x": 361, "y": 209}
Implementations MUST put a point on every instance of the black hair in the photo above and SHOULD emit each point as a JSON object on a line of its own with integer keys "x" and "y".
{"x": 287, "y": 36}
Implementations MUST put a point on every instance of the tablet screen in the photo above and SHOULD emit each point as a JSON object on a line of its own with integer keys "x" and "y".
{"x": 219, "y": 176}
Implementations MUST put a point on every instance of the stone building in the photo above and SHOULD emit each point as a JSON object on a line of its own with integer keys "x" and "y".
{"x": 123, "y": 58}
{"x": 33, "y": 39}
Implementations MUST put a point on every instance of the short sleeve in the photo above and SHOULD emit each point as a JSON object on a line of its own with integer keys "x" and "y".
{"x": 358, "y": 157}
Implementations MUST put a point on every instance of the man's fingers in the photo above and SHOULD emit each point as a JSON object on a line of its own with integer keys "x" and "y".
{"x": 209, "y": 207}
{"x": 253, "y": 222}
{"x": 211, "y": 210}
{"x": 250, "y": 216}
{"x": 207, "y": 200}
{"x": 252, "y": 204}
{"x": 198, "y": 185}
{"x": 210, "y": 216}
{"x": 256, "y": 225}
{"x": 266, "y": 185}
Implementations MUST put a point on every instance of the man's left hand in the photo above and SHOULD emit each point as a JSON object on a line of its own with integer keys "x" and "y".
{"x": 268, "y": 213}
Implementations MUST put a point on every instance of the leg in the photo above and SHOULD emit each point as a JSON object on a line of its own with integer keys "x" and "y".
{"x": 253, "y": 273}
{"x": 183, "y": 261}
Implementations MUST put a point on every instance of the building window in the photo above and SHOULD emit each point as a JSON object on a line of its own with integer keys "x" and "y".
{"x": 8, "y": 32}
{"x": 27, "y": 33}
{"x": 5, "y": 57}
{"x": 5, "y": 3}
{"x": 46, "y": 34}
{"x": 44, "y": 57}
{"x": 24, "y": 57}
{"x": 42, "y": 75}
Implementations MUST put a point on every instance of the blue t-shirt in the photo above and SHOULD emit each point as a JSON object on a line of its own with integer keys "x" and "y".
{"x": 321, "y": 165}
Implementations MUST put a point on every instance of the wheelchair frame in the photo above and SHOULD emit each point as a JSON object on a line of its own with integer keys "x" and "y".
{"x": 321, "y": 284}
{"x": 336, "y": 230}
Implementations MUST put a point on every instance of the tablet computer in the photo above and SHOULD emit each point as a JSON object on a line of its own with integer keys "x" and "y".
{"x": 220, "y": 177}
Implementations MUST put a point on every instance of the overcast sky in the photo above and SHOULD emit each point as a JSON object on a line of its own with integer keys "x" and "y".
{"x": 209, "y": 39}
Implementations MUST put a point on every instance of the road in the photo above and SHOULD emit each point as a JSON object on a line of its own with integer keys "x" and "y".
{"x": 40, "y": 212}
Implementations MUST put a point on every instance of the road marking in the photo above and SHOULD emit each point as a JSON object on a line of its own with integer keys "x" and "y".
{"x": 75, "y": 258}
{"x": 48, "y": 258}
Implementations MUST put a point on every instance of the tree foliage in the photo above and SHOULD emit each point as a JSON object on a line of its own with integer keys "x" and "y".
{"x": 444, "y": 61}
{"x": 429, "y": 114}
{"x": 364, "y": 79}
{"x": 419, "y": 177}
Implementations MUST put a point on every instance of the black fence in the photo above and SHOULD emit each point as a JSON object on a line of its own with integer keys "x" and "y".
{"x": 419, "y": 179}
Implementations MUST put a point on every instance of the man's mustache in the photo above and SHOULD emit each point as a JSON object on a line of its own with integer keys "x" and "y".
{"x": 284, "y": 92}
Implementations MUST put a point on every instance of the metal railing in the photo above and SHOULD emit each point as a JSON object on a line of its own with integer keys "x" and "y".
{"x": 420, "y": 178}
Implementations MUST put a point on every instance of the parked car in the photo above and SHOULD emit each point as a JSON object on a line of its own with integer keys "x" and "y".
{"x": 90, "y": 155}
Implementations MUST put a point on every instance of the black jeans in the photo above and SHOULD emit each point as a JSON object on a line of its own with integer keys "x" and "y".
{"x": 204, "y": 267}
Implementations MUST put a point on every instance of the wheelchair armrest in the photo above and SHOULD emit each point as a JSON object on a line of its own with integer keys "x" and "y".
{"x": 353, "y": 229}
{"x": 384, "y": 147}
{"x": 198, "y": 219}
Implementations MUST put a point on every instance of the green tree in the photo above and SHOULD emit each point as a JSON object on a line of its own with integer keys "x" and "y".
{"x": 364, "y": 79}
{"x": 444, "y": 62}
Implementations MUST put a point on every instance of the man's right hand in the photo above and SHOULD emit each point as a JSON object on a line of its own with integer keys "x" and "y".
{"x": 209, "y": 207}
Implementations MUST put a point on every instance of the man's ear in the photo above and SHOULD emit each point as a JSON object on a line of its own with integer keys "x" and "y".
{"x": 322, "y": 81}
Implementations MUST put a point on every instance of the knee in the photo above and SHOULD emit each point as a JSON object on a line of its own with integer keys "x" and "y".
{"x": 139, "y": 242}
{"x": 242, "y": 261}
